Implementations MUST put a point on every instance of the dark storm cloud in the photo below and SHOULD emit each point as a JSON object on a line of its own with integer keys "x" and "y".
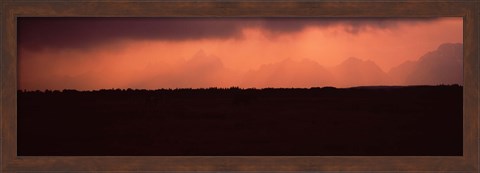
{"x": 35, "y": 33}
{"x": 352, "y": 25}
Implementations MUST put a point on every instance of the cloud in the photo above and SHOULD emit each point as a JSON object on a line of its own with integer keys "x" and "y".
{"x": 65, "y": 32}
{"x": 351, "y": 25}
{"x": 37, "y": 33}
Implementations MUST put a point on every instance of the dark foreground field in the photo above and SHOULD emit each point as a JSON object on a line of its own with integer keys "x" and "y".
{"x": 421, "y": 120}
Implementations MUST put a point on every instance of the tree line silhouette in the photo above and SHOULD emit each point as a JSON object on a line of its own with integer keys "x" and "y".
{"x": 372, "y": 120}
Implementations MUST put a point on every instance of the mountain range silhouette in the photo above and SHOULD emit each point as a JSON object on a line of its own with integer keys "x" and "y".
{"x": 444, "y": 65}
{"x": 441, "y": 66}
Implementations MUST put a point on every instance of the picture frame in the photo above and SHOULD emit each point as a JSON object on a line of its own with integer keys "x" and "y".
{"x": 11, "y": 10}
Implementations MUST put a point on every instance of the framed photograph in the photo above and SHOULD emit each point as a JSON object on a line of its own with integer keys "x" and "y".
{"x": 239, "y": 86}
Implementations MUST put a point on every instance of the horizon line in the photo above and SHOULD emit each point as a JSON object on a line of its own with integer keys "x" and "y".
{"x": 236, "y": 88}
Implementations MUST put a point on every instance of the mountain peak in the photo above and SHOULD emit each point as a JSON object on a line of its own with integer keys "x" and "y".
{"x": 441, "y": 66}
{"x": 449, "y": 46}
{"x": 353, "y": 59}
{"x": 451, "y": 49}
{"x": 200, "y": 53}
{"x": 354, "y": 71}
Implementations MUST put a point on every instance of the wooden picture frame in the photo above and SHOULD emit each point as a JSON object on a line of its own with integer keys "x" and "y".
{"x": 11, "y": 10}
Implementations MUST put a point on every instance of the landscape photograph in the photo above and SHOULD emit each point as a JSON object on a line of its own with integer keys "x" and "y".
{"x": 233, "y": 86}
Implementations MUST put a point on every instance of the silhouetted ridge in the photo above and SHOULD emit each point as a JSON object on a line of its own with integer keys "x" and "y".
{"x": 441, "y": 66}
{"x": 357, "y": 72}
{"x": 288, "y": 73}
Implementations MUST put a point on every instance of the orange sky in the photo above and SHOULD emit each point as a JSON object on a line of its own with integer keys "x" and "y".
{"x": 275, "y": 55}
